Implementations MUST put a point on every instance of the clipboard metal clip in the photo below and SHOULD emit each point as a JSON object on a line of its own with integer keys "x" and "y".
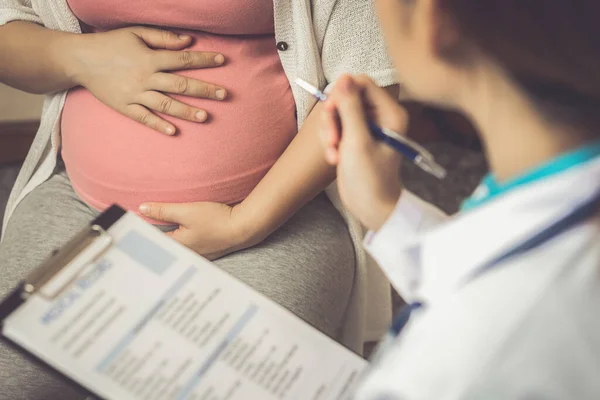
{"x": 50, "y": 281}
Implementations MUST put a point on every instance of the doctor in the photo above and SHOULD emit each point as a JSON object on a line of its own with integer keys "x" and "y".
{"x": 505, "y": 296}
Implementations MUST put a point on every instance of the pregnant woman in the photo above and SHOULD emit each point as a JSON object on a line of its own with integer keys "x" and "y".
{"x": 183, "y": 110}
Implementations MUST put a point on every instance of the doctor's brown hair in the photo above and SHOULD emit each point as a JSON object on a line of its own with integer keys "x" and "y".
{"x": 551, "y": 48}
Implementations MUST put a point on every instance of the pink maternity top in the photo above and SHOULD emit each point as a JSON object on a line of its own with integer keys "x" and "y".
{"x": 112, "y": 159}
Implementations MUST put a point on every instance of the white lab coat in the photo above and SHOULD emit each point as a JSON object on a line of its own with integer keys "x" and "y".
{"x": 528, "y": 329}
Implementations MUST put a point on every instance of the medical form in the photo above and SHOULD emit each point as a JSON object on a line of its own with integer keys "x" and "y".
{"x": 138, "y": 316}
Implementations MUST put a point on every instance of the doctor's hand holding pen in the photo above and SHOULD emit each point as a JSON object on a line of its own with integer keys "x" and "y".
{"x": 368, "y": 170}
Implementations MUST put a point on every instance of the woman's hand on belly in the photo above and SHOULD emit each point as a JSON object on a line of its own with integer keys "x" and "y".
{"x": 212, "y": 230}
{"x": 128, "y": 70}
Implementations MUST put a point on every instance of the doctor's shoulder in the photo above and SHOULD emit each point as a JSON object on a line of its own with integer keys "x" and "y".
{"x": 546, "y": 343}
{"x": 520, "y": 332}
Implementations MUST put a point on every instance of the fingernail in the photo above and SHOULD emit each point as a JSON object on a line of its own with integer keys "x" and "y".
{"x": 347, "y": 86}
{"x": 144, "y": 209}
{"x": 169, "y": 130}
{"x": 221, "y": 94}
{"x": 184, "y": 37}
{"x": 219, "y": 59}
{"x": 201, "y": 116}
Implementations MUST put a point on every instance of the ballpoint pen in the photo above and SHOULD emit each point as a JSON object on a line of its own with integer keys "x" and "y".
{"x": 408, "y": 148}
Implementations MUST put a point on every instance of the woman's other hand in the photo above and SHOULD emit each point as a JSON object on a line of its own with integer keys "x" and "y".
{"x": 212, "y": 230}
{"x": 129, "y": 70}
{"x": 367, "y": 169}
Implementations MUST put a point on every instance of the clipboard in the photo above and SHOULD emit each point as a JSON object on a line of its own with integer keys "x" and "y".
{"x": 178, "y": 294}
{"x": 40, "y": 276}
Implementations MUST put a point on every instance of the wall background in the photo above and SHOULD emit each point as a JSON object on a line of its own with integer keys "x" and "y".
{"x": 19, "y": 118}
{"x": 19, "y": 112}
{"x": 19, "y": 106}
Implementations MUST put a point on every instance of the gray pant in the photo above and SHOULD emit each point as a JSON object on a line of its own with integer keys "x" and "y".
{"x": 307, "y": 266}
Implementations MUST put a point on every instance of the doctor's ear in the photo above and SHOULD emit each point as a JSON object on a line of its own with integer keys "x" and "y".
{"x": 447, "y": 41}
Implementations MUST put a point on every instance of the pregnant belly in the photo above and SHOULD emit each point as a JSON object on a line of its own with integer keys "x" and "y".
{"x": 112, "y": 159}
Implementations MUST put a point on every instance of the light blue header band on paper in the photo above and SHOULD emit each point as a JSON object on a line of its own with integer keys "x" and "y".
{"x": 146, "y": 252}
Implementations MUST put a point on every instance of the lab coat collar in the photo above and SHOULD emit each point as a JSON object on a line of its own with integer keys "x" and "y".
{"x": 451, "y": 253}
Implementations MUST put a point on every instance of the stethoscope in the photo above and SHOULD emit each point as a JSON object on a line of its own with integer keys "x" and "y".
{"x": 581, "y": 213}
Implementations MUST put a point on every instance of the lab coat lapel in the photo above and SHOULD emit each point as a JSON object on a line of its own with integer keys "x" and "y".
{"x": 450, "y": 254}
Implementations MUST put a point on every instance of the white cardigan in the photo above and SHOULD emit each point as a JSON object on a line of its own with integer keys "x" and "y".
{"x": 326, "y": 38}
